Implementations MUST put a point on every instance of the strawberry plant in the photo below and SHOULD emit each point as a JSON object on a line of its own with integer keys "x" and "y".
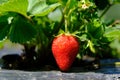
{"x": 35, "y": 23}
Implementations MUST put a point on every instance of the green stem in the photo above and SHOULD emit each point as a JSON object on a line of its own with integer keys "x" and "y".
{"x": 66, "y": 11}
{"x": 66, "y": 7}
{"x": 70, "y": 11}
{"x": 105, "y": 11}
{"x": 66, "y": 24}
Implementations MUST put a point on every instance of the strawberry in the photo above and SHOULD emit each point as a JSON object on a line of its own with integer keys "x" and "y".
{"x": 64, "y": 49}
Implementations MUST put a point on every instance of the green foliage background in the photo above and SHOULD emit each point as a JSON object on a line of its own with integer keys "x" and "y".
{"x": 36, "y": 22}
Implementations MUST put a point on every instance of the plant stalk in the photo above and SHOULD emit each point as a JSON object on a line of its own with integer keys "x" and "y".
{"x": 105, "y": 11}
{"x": 67, "y": 13}
{"x": 66, "y": 24}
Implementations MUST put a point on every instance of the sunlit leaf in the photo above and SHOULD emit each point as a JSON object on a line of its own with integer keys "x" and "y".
{"x": 40, "y": 8}
{"x": 47, "y": 10}
{"x": 56, "y": 15}
{"x": 116, "y": 45}
{"x": 36, "y": 5}
{"x": 83, "y": 37}
{"x": 91, "y": 46}
{"x": 112, "y": 33}
{"x": 19, "y": 6}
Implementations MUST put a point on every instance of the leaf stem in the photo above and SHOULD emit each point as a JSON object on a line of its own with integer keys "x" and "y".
{"x": 66, "y": 7}
{"x": 105, "y": 11}
{"x": 66, "y": 24}
{"x": 66, "y": 15}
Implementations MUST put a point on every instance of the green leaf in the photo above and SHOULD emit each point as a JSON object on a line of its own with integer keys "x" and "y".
{"x": 36, "y": 5}
{"x": 40, "y": 8}
{"x": 47, "y": 10}
{"x": 115, "y": 45}
{"x": 2, "y": 1}
{"x": 96, "y": 28}
{"x": 21, "y": 30}
{"x": 74, "y": 3}
{"x": 4, "y": 27}
{"x": 56, "y": 15}
{"x": 19, "y": 6}
{"x": 91, "y": 46}
{"x": 83, "y": 37}
{"x": 112, "y": 33}
{"x": 99, "y": 32}
{"x": 1, "y": 45}
{"x": 116, "y": 1}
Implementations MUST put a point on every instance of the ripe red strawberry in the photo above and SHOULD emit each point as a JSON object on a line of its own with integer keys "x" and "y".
{"x": 65, "y": 49}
